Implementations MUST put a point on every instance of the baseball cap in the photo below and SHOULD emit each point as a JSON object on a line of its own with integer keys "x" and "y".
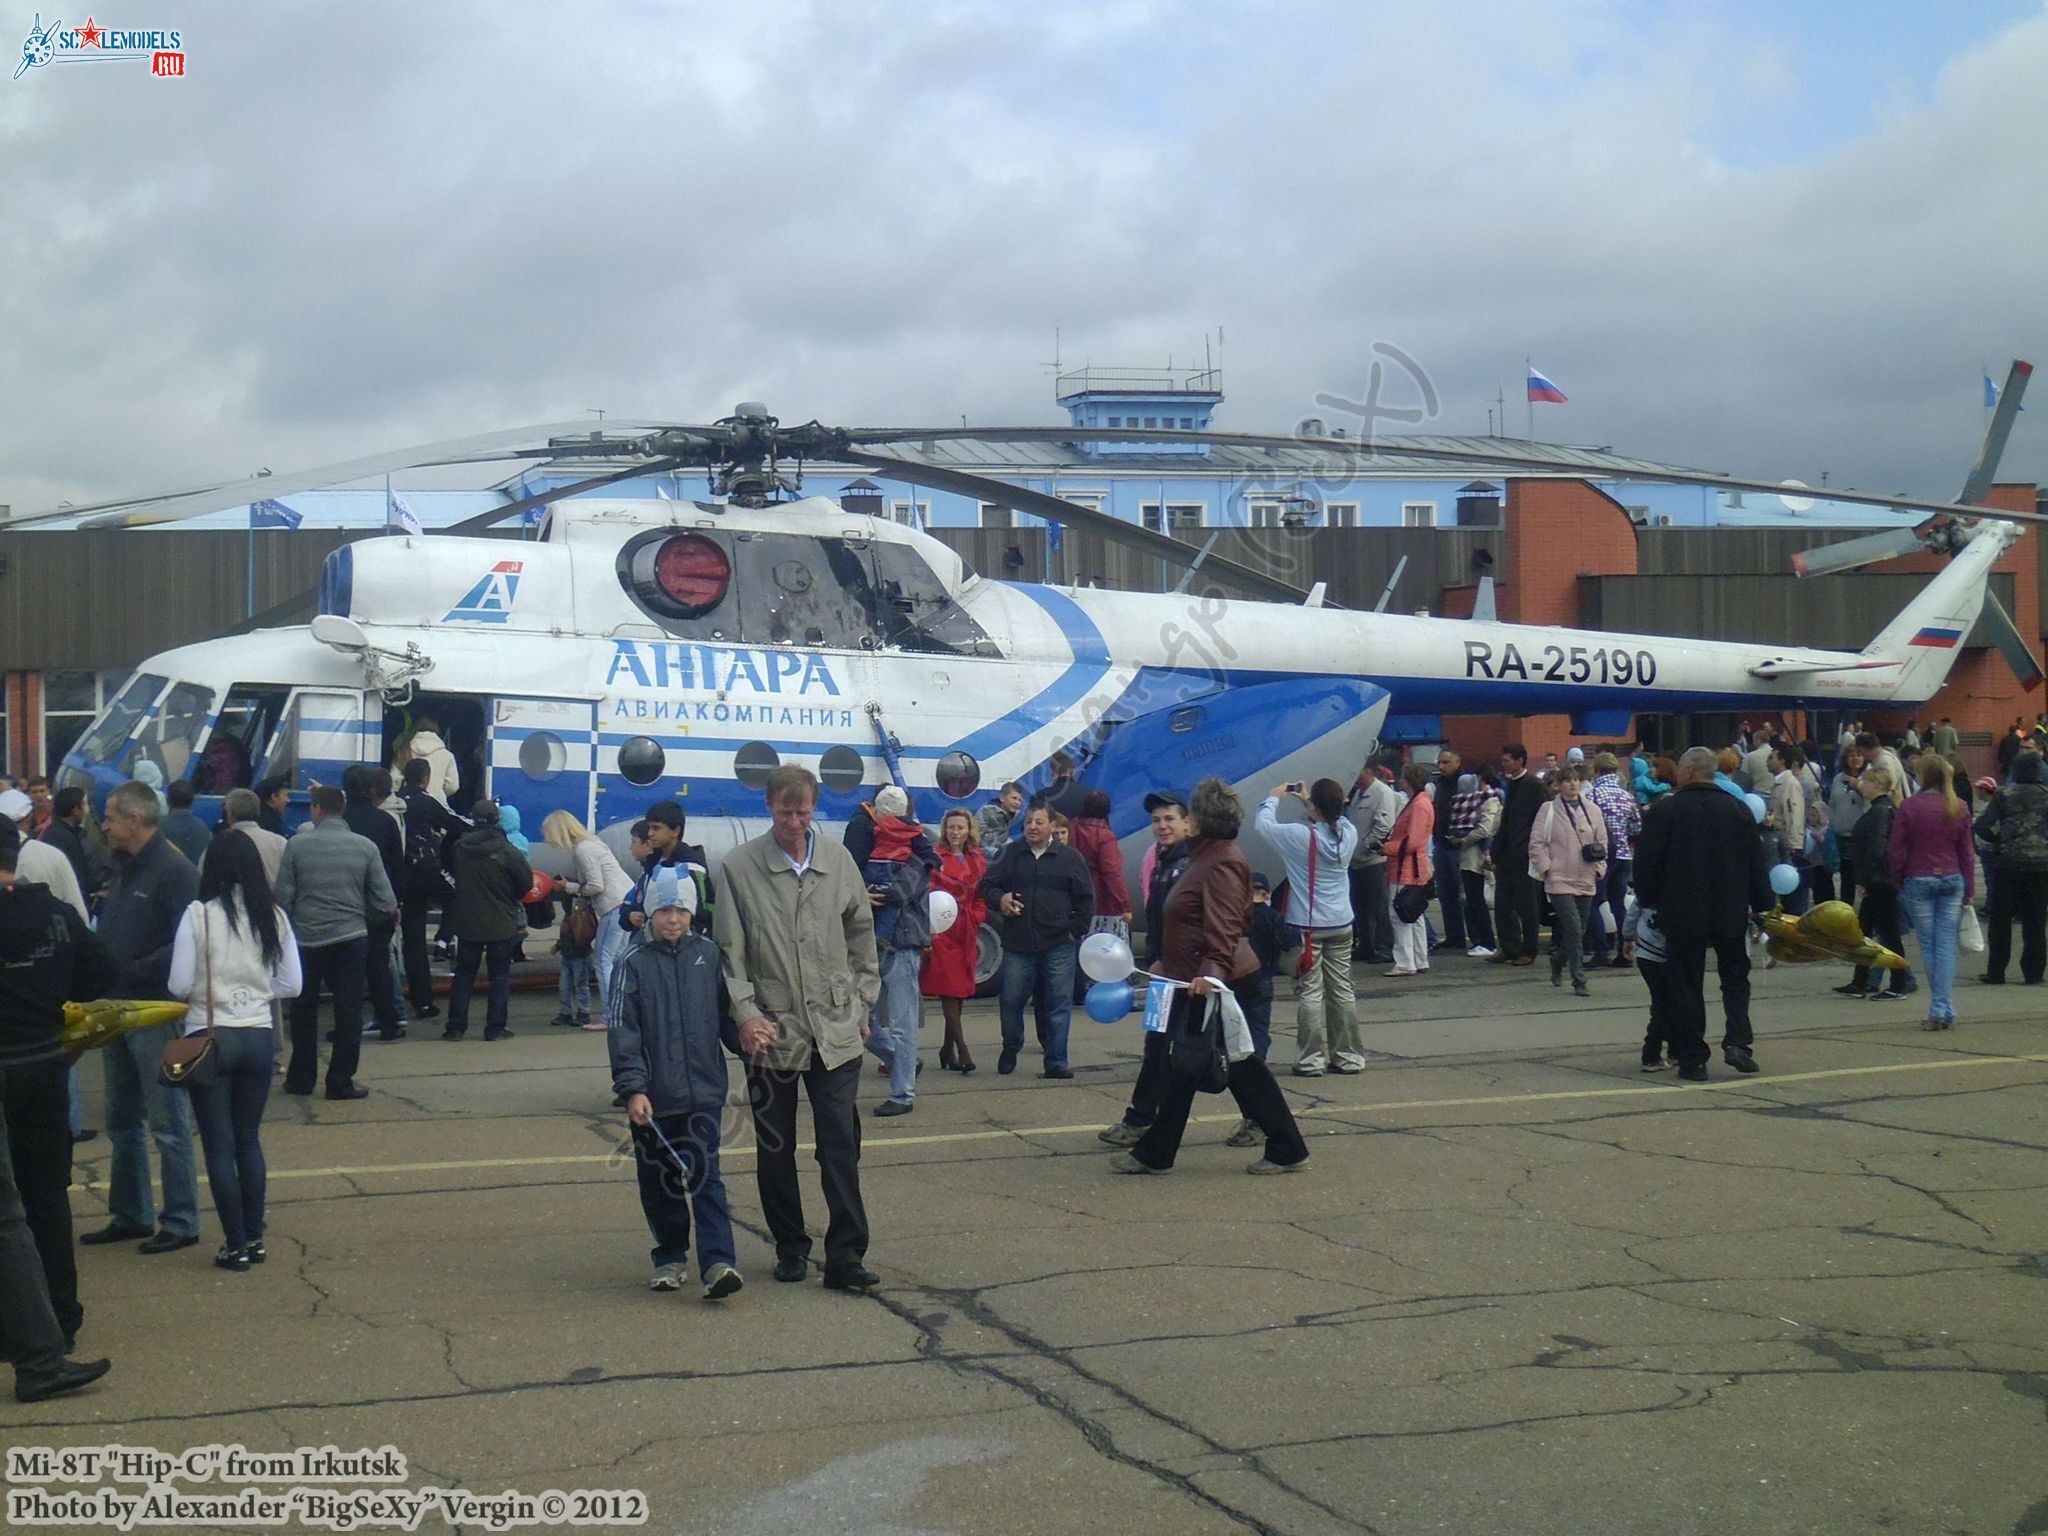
{"x": 14, "y": 804}
{"x": 1261, "y": 883}
{"x": 892, "y": 801}
{"x": 1162, "y": 797}
{"x": 671, "y": 888}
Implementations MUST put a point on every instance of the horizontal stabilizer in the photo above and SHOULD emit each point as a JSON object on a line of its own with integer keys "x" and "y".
{"x": 1796, "y": 666}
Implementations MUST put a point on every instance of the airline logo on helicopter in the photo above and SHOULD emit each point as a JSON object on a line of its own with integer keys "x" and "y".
{"x": 490, "y": 600}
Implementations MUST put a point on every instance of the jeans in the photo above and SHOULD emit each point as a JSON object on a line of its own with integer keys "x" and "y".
{"x": 1372, "y": 919}
{"x": 135, "y": 1097}
{"x": 380, "y": 985}
{"x": 1515, "y": 903}
{"x": 1879, "y": 917}
{"x": 77, "y": 1105}
{"x": 1450, "y": 891}
{"x": 1568, "y": 937}
{"x": 1259, "y": 1100}
{"x": 835, "y": 1122}
{"x": 412, "y": 927}
{"x": 681, "y": 1177}
{"x": 573, "y": 988}
{"x": 1613, "y": 894}
{"x": 229, "y": 1110}
{"x": 29, "y": 1331}
{"x": 1045, "y": 981}
{"x": 38, "y": 1138}
{"x": 469, "y": 954}
{"x": 1935, "y": 903}
{"x": 1325, "y": 1014}
{"x": 1478, "y": 921}
{"x": 2021, "y": 893}
{"x": 893, "y": 1021}
{"x": 611, "y": 945}
{"x": 340, "y": 968}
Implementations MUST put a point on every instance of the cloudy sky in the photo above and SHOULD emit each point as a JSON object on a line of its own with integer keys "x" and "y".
{"x": 1773, "y": 240}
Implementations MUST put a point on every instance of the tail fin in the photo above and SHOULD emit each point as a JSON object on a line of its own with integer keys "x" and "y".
{"x": 1927, "y": 636}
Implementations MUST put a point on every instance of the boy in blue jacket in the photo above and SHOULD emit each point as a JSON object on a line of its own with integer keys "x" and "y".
{"x": 668, "y": 1069}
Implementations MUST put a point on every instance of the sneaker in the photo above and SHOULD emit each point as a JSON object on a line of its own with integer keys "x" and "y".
{"x": 891, "y": 1107}
{"x": 1309, "y": 1069}
{"x": 1246, "y": 1135}
{"x": 1267, "y": 1165}
{"x": 231, "y": 1258}
{"x": 1481, "y": 952}
{"x": 1579, "y": 989}
{"x": 1696, "y": 1074}
{"x": 1123, "y": 1162}
{"x": 1880, "y": 995}
{"x": 1122, "y": 1134}
{"x": 255, "y": 1252}
{"x": 1345, "y": 1068}
{"x": 583, "y": 1021}
{"x": 667, "y": 1277}
{"x": 562, "y": 1021}
{"x": 1853, "y": 989}
{"x": 720, "y": 1281}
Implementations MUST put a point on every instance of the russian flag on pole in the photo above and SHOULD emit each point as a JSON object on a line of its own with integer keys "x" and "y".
{"x": 1543, "y": 391}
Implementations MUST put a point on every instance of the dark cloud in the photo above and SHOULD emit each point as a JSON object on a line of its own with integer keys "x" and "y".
{"x": 354, "y": 228}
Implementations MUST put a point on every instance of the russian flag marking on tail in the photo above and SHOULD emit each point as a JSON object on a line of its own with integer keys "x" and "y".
{"x": 1938, "y": 638}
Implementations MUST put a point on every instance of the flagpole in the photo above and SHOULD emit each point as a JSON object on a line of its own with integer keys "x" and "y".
{"x": 1526, "y": 367}
{"x": 249, "y": 571}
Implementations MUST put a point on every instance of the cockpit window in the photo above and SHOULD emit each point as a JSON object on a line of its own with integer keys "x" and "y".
{"x": 918, "y": 613}
{"x": 247, "y": 721}
{"x": 111, "y": 731}
{"x": 169, "y": 736}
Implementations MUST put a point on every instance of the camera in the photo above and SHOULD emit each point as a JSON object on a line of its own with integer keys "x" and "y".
{"x": 1298, "y": 787}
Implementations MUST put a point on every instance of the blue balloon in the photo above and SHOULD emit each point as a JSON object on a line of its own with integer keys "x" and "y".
{"x": 1784, "y": 879}
{"x": 1758, "y": 807}
{"x": 1109, "y": 1002}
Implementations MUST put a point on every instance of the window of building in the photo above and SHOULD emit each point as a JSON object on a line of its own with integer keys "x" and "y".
{"x": 1151, "y": 421}
{"x": 1340, "y": 514}
{"x": 1187, "y": 423}
{"x": 993, "y": 516}
{"x": 1180, "y": 515}
{"x": 1264, "y": 514}
{"x": 901, "y": 512}
{"x": 1092, "y": 500}
{"x": 1116, "y": 421}
{"x": 70, "y": 700}
{"x": 1418, "y": 514}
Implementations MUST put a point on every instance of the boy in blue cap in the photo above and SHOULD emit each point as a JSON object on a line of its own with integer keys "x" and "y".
{"x": 668, "y": 1069}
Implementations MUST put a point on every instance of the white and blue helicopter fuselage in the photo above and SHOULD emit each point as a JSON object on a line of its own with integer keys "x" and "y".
{"x": 649, "y": 650}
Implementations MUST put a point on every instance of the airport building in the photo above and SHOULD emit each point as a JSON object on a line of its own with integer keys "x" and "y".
{"x": 79, "y": 608}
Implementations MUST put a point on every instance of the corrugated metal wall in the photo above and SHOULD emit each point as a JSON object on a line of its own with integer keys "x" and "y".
{"x": 1841, "y": 613}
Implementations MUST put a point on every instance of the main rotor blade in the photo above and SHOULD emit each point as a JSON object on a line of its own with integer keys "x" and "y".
{"x": 1853, "y": 554}
{"x": 1482, "y": 455}
{"x": 2010, "y": 642}
{"x": 496, "y": 515}
{"x": 486, "y": 448}
{"x": 1130, "y": 535}
{"x": 1986, "y": 468}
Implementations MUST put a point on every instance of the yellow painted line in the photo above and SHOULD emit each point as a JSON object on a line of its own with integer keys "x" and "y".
{"x": 1666, "y": 1089}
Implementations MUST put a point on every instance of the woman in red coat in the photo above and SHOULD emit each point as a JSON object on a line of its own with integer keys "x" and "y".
{"x": 949, "y": 964}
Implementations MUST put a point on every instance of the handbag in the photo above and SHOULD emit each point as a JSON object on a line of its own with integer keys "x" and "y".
{"x": 190, "y": 1060}
{"x": 1196, "y": 1052}
{"x": 1410, "y": 902}
{"x": 579, "y": 928}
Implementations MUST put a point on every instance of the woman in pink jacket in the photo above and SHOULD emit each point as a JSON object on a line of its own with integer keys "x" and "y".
{"x": 1408, "y": 865}
{"x": 1934, "y": 865}
{"x": 1568, "y": 833}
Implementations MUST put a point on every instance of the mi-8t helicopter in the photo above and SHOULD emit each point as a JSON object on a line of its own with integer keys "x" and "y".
{"x": 642, "y": 649}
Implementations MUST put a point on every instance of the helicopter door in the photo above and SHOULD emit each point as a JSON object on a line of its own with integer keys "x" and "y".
{"x": 543, "y": 757}
{"x": 322, "y": 735}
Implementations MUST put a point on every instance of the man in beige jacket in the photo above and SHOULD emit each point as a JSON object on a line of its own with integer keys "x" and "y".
{"x": 798, "y": 936}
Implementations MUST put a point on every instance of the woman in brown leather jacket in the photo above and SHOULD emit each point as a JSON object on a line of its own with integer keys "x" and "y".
{"x": 1204, "y": 945}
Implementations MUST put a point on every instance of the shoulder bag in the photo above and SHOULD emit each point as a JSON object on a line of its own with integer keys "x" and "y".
{"x": 190, "y": 1060}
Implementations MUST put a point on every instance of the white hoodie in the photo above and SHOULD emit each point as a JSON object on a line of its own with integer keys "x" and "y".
{"x": 443, "y": 780}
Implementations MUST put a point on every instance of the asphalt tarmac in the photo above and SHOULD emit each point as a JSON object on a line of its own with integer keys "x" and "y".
{"x": 1522, "y": 1288}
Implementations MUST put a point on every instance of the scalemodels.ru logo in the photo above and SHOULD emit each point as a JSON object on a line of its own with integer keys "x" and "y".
{"x": 163, "y": 51}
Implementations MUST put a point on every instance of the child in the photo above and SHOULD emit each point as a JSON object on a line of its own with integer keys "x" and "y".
{"x": 897, "y": 866}
{"x": 1640, "y": 928}
{"x": 671, "y": 1017}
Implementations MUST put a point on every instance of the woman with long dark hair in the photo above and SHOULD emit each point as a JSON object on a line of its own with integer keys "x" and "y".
{"x": 949, "y": 963}
{"x": 1203, "y": 944}
{"x": 1317, "y": 855}
{"x": 1933, "y": 862}
{"x": 234, "y": 953}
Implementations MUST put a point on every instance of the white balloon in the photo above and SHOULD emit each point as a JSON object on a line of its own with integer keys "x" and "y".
{"x": 945, "y": 911}
{"x": 1105, "y": 957}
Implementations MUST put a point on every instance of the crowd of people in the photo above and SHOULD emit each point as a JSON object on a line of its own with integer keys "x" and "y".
{"x": 803, "y": 955}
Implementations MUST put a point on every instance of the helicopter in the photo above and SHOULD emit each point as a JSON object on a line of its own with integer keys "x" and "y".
{"x": 642, "y": 650}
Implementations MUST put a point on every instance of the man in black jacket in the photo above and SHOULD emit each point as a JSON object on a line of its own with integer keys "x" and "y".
{"x": 367, "y": 789}
{"x": 1169, "y": 813}
{"x": 47, "y": 955}
{"x": 423, "y": 879}
{"x": 1700, "y": 862}
{"x": 153, "y": 884}
{"x": 1515, "y": 890}
{"x": 1450, "y": 889}
{"x": 491, "y": 881}
{"x": 68, "y": 834}
{"x": 1045, "y": 898}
